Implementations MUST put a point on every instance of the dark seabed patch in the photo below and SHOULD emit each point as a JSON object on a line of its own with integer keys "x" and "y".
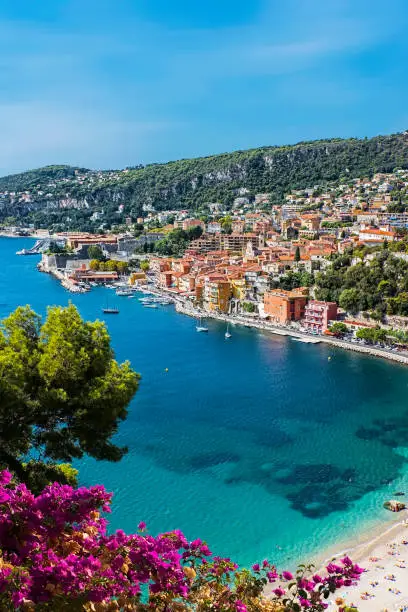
{"x": 392, "y": 432}
{"x": 261, "y": 430}
{"x": 207, "y": 460}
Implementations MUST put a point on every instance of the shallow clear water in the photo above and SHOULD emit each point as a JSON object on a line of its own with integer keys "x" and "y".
{"x": 259, "y": 444}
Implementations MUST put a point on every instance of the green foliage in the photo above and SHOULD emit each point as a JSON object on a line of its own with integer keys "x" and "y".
{"x": 399, "y": 304}
{"x": 336, "y": 224}
{"x": 70, "y": 473}
{"x": 95, "y": 252}
{"x": 297, "y": 254}
{"x": 176, "y": 242}
{"x": 293, "y": 280}
{"x": 145, "y": 265}
{"x": 379, "y": 285}
{"x": 111, "y": 265}
{"x": 62, "y": 393}
{"x": 191, "y": 183}
{"x": 399, "y": 336}
{"x": 372, "y": 335}
{"x": 339, "y": 329}
{"x": 40, "y": 474}
{"x": 40, "y": 177}
{"x": 349, "y": 300}
{"x": 56, "y": 249}
{"x": 248, "y": 306}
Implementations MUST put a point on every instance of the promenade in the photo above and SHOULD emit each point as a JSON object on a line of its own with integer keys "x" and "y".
{"x": 184, "y": 306}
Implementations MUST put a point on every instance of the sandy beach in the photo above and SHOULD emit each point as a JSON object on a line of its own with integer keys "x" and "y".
{"x": 384, "y": 585}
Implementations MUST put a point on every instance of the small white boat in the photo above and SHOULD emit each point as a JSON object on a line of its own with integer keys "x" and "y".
{"x": 200, "y": 327}
{"x": 306, "y": 340}
{"x": 227, "y": 333}
{"x": 150, "y": 305}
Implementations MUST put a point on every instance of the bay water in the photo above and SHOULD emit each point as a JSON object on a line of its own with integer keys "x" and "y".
{"x": 260, "y": 445}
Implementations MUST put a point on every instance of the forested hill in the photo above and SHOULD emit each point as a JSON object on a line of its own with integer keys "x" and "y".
{"x": 188, "y": 183}
{"x": 37, "y": 178}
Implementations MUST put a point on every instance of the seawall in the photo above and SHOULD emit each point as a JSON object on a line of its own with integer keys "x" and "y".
{"x": 189, "y": 309}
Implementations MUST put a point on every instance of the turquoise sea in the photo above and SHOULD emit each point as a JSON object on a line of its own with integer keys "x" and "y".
{"x": 259, "y": 444}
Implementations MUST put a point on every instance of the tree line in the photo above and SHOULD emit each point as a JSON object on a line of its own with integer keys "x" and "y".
{"x": 378, "y": 285}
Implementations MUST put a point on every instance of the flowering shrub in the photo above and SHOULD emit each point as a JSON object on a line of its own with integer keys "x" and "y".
{"x": 55, "y": 554}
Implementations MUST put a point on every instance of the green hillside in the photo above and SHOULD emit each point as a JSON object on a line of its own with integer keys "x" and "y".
{"x": 189, "y": 183}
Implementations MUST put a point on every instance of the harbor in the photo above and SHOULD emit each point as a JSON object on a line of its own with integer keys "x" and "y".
{"x": 158, "y": 296}
{"x": 253, "y": 457}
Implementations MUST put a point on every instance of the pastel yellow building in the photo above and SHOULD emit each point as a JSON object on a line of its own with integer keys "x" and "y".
{"x": 218, "y": 295}
{"x": 238, "y": 288}
{"x": 137, "y": 277}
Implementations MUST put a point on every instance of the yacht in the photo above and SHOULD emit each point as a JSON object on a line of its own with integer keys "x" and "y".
{"x": 110, "y": 310}
{"x": 200, "y": 327}
{"x": 227, "y": 333}
{"x": 124, "y": 292}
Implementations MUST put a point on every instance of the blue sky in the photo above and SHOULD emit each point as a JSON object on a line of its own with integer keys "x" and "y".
{"x": 110, "y": 83}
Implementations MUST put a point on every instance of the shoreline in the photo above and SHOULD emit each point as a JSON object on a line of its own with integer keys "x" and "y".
{"x": 384, "y": 584}
{"x": 373, "y": 539}
{"x": 368, "y": 539}
{"x": 11, "y": 235}
{"x": 188, "y": 309}
{"x": 377, "y": 553}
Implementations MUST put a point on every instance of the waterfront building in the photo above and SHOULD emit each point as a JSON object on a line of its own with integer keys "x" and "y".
{"x": 238, "y": 288}
{"x": 137, "y": 278}
{"x": 217, "y": 292}
{"x": 187, "y": 283}
{"x": 282, "y": 306}
{"x": 181, "y": 265}
{"x": 81, "y": 275}
{"x": 166, "y": 278}
{"x": 76, "y": 241}
{"x": 318, "y": 315}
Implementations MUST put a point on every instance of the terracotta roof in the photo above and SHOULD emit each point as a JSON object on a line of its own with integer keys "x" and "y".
{"x": 377, "y": 232}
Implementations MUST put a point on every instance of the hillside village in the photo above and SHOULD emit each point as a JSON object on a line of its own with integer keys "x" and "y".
{"x": 266, "y": 261}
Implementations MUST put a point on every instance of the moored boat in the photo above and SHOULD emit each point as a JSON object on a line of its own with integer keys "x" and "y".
{"x": 200, "y": 327}
{"x": 108, "y": 310}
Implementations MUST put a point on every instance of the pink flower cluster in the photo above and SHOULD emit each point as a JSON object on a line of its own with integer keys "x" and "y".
{"x": 54, "y": 547}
